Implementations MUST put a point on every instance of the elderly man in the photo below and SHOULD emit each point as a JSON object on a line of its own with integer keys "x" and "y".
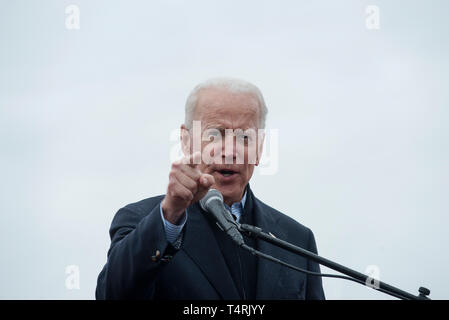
{"x": 167, "y": 247}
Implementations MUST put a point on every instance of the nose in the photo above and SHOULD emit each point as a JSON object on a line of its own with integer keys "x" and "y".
{"x": 229, "y": 151}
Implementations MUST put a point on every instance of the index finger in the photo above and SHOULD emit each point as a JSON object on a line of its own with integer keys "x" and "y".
{"x": 192, "y": 160}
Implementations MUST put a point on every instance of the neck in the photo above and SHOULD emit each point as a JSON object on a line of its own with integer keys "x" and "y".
{"x": 231, "y": 201}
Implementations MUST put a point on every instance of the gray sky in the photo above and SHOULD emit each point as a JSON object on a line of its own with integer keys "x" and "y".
{"x": 86, "y": 117}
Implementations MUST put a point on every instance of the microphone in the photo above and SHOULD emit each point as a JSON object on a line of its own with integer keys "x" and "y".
{"x": 212, "y": 203}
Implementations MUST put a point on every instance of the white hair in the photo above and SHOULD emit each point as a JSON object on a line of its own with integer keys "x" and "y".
{"x": 233, "y": 85}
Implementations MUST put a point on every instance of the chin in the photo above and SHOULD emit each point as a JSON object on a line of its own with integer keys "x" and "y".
{"x": 229, "y": 192}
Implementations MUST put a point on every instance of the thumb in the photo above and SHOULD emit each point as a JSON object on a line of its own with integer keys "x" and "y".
{"x": 206, "y": 181}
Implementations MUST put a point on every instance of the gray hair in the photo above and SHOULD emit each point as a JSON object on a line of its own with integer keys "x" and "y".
{"x": 232, "y": 85}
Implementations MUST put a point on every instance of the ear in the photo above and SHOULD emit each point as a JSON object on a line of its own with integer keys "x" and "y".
{"x": 260, "y": 140}
{"x": 185, "y": 140}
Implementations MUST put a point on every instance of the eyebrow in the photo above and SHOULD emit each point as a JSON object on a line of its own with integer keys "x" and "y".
{"x": 214, "y": 126}
{"x": 221, "y": 127}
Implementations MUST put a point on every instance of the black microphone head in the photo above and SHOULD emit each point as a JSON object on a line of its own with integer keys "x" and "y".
{"x": 211, "y": 195}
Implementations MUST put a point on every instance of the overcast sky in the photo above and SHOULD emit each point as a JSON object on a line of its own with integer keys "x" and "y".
{"x": 362, "y": 115}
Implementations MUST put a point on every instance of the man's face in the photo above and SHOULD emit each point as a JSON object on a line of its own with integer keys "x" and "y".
{"x": 234, "y": 155}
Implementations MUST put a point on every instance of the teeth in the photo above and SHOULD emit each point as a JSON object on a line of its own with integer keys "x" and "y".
{"x": 226, "y": 173}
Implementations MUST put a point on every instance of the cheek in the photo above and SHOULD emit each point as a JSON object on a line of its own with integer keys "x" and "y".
{"x": 210, "y": 151}
{"x": 204, "y": 168}
{"x": 248, "y": 172}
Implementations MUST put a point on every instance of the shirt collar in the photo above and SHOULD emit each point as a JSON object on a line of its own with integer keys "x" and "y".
{"x": 242, "y": 202}
{"x": 238, "y": 207}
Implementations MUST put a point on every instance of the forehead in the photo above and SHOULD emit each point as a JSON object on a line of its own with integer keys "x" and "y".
{"x": 221, "y": 108}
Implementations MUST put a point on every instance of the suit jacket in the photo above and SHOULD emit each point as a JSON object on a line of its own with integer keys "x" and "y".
{"x": 141, "y": 263}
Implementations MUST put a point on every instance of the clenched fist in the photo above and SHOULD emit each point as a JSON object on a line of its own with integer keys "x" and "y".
{"x": 187, "y": 185}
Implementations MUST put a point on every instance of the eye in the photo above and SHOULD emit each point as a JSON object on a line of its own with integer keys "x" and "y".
{"x": 245, "y": 137}
{"x": 212, "y": 133}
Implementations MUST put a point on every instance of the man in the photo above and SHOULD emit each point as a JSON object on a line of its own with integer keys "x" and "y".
{"x": 167, "y": 247}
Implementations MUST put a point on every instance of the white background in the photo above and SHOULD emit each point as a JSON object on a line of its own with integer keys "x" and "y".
{"x": 86, "y": 116}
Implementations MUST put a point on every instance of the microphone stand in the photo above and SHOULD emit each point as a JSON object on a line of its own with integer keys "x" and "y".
{"x": 256, "y": 232}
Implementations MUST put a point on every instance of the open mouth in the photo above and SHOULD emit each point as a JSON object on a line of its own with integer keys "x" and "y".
{"x": 226, "y": 173}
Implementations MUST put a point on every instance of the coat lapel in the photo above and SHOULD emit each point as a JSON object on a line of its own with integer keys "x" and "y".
{"x": 201, "y": 246}
{"x": 268, "y": 272}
